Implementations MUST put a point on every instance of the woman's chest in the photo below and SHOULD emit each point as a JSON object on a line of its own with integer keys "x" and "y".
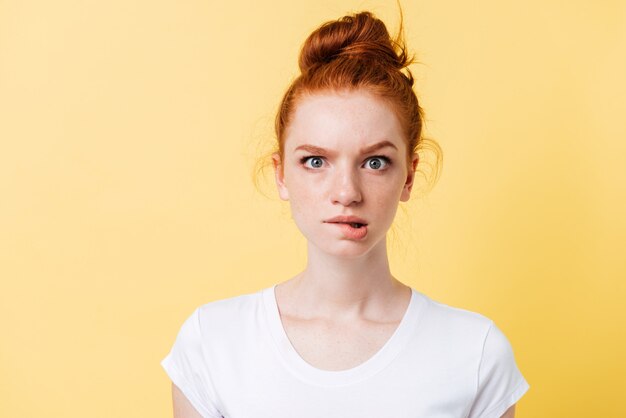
{"x": 336, "y": 347}
{"x": 404, "y": 389}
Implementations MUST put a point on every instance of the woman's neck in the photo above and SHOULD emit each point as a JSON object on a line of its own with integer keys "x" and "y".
{"x": 343, "y": 289}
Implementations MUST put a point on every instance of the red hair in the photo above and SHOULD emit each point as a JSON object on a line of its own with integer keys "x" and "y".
{"x": 356, "y": 52}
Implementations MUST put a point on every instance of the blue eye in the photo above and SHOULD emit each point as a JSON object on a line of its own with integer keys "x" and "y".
{"x": 316, "y": 162}
{"x": 378, "y": 162}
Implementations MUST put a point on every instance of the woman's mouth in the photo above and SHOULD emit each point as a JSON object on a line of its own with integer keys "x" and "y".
{"x": 348, "y": 219}
{"x": 352, "y": 230}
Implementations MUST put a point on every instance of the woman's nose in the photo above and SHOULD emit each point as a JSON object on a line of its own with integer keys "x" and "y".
{"x": 345, "y": 188}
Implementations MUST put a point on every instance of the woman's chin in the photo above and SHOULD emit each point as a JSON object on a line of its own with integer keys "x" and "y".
{"x": 346, "y": 249}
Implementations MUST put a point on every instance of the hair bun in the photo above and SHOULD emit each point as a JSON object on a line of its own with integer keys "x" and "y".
{"x": 359, "y": 36}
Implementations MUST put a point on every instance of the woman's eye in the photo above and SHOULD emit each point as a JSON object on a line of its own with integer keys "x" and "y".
{"x": 312, "y": 162}
{"x": 377, "y": 163}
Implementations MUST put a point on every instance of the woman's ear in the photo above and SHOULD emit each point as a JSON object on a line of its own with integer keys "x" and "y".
{"x": 279, "y": 174}
{"x": 410, "y": 178}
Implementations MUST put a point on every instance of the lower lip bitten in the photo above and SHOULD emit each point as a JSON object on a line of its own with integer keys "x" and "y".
{"x": 352, "y": 232}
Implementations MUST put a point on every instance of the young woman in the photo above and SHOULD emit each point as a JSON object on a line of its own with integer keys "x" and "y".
{"x": 344, "y": 338}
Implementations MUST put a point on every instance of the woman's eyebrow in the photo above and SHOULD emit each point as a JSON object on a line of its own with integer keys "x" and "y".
{"x": 377, "y": 146}
{"x": 312, "y": 149}
{"x": 319, "y": 150}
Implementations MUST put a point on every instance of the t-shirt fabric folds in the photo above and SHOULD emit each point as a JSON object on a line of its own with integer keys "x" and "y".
{"x": 232, "y": 358}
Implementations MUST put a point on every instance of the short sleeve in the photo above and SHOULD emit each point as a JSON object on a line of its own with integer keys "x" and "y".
{"x": 500, "y": 383}
{"x": 186, "y": 367}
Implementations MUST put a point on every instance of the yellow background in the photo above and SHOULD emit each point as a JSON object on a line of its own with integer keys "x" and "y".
{"x": 129, "y": 131}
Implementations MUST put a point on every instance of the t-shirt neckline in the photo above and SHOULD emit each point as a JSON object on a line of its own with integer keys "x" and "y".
{"x": 310, "y": 374}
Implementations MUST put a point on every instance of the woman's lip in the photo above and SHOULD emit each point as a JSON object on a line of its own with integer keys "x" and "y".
{"x": 346, "y": 220}
{"x": 351, "y": 232}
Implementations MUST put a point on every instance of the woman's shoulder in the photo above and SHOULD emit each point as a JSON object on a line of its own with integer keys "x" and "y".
{"x": 455, "y": 333}
{"x": 229, "y": 309}
{"x": 452, "y": 321}
{"x": 225, "y": 304}
{"x": 448, "y": 312}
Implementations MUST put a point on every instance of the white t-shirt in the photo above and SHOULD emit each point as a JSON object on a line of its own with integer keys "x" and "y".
{"x": 233, "y": 359}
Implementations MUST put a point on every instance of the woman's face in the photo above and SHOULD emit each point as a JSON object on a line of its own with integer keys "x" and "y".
{"x": 344, "y": 156}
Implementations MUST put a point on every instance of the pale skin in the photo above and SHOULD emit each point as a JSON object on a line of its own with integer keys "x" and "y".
{"x": 344, "y": 155}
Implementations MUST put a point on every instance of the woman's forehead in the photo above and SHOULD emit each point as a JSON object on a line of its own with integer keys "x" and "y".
{"x": 333, "y": 120}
